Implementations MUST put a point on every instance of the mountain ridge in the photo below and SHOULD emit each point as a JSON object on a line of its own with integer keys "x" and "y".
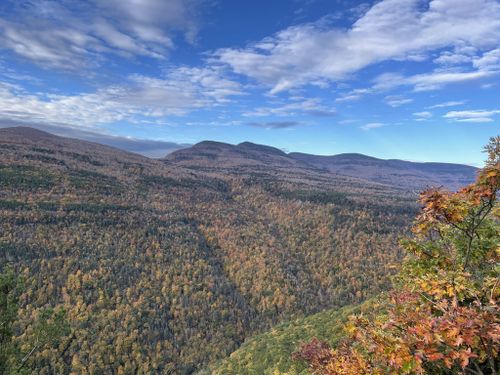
{"x": 26, "y": 134}
{"x": 245, "y": 156}
{"x": 29, "y": 131}
{"x": 394, "y": 172}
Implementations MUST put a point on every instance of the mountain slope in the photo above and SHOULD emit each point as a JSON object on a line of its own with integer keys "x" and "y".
{"x": 26, "y": 136}
{"x": 400, "y": 173}
{"x": 165, "y": 267}
{"x": 207, "y": 153}
{"x": 248, "y": 158}
{"x": 272, "y": 350}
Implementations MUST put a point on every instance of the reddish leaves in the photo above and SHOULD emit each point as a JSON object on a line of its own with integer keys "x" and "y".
{"x": 317, "y": 353}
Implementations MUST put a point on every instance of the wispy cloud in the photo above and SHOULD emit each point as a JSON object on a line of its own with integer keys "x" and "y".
{"x": 488, "y": 61}
{"x": 298, "y": 106}
{"x": 318, "y": 53}
{"x": 69, "y": 34}
{"x": 422, "y": 116}
{"x": 397, "y": 100}
{"x": 428, "y": 81}
{"x": 140, "y": 97}
{"x": 373, "y": 125}
{"x": 353, "y": 95}
{"x": 275, "y": 124}
{"x": 472, "y": 115}
{"x": 447, "y": 104}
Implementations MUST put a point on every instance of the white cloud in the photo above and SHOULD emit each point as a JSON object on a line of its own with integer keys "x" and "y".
{"x": 472, "y": 115}
{"x": 461, "y": 54}
{"x": 447, "y": 104}
{"x": 275, "y": 124}
{"x": 488, "y": 85}
{"x": 450, "y": 58}
{"x": 200, "y": 87}
{"x": 391, "y": 29}
{"x": 182, "y": 90}
{"x": 427, "y": 81}
{"x": 397, "y": 100}
{"x": 71, "y": 33}
{"x": 353, "y": 95}
{"x": 489, "y": 61}
{"x": 436, "y": 80}
{"x": 348, "y": 98}
{"x": 422, "y": 116}
{"x": 475, "y": 119}
{"x": 311, "y": 107}
{"x": 373, "y": 125}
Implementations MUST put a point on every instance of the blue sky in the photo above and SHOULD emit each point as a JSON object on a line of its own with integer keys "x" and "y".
{"x": 409, "y": 79}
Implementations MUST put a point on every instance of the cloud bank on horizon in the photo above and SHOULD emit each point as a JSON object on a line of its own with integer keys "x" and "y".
{"x": 382, "y": 77}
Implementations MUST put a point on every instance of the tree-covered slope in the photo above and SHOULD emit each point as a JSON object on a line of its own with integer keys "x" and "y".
{"x": 247, "y": 157}
{"x": 166, "y": 267}
{"x": 271, "y": 352}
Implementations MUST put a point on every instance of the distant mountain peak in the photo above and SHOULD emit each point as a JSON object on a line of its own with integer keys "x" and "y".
{"x": 261, "y": 148}
{"x": 26, "y": 131}
{"x": 350, "y": 156}
{"x": 228, "y": 156}
{"x": 24, "y": 135}
{"x": 212, "y": 144}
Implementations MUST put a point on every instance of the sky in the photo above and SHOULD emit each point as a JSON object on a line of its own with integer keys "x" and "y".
{"x": 408, "y": 79}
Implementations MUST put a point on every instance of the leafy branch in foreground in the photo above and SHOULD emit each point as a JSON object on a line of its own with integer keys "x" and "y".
{"x": 443, "y": 315}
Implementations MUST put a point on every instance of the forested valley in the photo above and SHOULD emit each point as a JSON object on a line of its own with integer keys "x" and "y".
{"x": 167, "y": 266}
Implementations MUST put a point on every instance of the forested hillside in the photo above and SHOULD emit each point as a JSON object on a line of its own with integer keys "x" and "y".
{"x": 409, "y": 175}
{"x": 248, "y": 157}
{"x": 166, "y": 266}
{"x": 272, "y": 352}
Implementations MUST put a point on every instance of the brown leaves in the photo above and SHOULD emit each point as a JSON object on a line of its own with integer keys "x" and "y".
{"x": 317, "y": 353}
{"x": 443, "y": 207}
{"x": 408, "y": 338}
{"x": 440, "y": 206}
{"x": 454, "y": 337}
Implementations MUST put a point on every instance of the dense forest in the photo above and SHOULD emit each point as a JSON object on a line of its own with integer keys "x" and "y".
{"x": 128, "y": 265}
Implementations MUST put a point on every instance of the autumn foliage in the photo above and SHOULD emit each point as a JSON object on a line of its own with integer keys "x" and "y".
{"x": 163, "y": 269}
{"x": 442, "y": 316}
